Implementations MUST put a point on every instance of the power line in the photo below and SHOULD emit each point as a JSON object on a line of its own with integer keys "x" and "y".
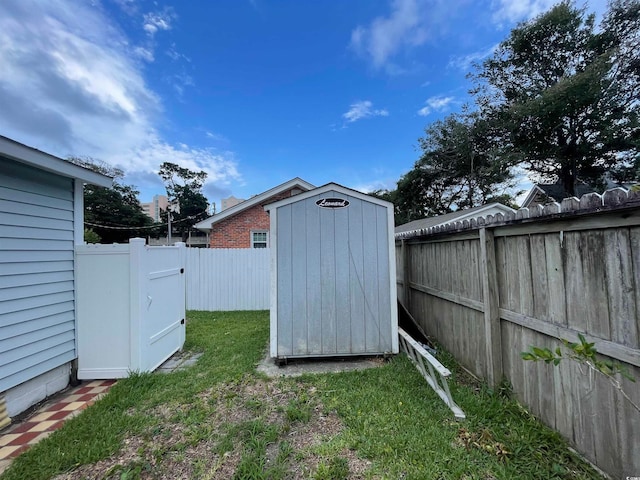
{"x": 147, "y": 227}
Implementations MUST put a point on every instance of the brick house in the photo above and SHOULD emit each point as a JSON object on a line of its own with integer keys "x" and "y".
{"x": 246, "y": 225}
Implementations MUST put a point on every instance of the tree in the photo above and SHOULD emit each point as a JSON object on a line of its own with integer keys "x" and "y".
{"x": 562, "y": 93}
{"x": 459, "y": 168}
{"x": 113, "y": 214}
{"x": 184, "y": 189}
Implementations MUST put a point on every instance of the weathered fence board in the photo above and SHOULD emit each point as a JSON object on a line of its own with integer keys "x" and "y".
{"x": 227, "y": 279}
{"x": 488, "y": 294}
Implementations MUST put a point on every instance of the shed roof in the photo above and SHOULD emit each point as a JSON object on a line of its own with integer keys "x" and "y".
{"x": 326, "y": 188}
{"x": 206, "y": 224}
{"x": 36, "y": 158}
{"x": 458, "y": 215}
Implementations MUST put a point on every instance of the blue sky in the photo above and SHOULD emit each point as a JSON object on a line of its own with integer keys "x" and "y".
{"x": 255, "y": 92}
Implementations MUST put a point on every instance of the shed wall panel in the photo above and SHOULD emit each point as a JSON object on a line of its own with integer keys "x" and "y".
{"x": 285, "y": 284}
{"x": 37, "y": 320}
{"x": 299, "y": 279}
{"x": 313, "y": 293}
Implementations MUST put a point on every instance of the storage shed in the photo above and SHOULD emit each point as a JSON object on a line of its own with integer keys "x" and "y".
{"x": 333, "y": 290}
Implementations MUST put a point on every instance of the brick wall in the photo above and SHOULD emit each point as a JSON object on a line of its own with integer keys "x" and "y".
{"x": 235, "y": 231}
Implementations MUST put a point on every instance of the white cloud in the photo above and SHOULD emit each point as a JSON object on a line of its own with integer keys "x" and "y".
{"x": 363, "y": 109}
{"x": 435, "y": 104}
{"x": 465, "y": 62}
{"x": 154, "y": 21}
{"x": 180, "y": 81}
{"x": 405, "y": 26}
{"x": 71, "y": 85}
{"x": 128, "y": 6}
{"x": 512, "y": 11}
{"x": 174, "y": 55}
{"x": 144, "y": 53}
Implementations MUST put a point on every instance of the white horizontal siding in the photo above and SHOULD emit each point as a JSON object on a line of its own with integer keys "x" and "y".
{"x": 34, "y": 313}
{"x": 37, "y": 267}
{"x": 227, "y": 279}
{"x": 14, "y": 195}
{"x": 25, "y": 226}
{"x": 37, "y": 319}
{"x": 34, "y": 290}
{"x": 10, "y": 206}
{"x": 34, "y": 278}
{"x": 34, "y": 325}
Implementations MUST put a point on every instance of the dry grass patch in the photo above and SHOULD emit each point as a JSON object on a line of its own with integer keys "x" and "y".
{"x": 253, "y": 428}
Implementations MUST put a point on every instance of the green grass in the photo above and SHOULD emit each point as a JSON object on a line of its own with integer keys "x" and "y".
{"x": 399, "y": 423}
{"x": 232, "y": 343}
{"x": 220, "y": 412}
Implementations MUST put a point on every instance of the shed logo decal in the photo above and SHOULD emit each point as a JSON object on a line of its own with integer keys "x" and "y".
{"x": 332, "y": 203}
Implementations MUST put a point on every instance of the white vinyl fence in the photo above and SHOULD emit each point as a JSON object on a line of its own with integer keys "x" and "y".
{"x": 227, "y": 279}
{"x": 130, "y": 300}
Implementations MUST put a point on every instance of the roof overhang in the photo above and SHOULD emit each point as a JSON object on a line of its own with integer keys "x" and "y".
{"x": 206, "y": 224}
{"x": 45, "y": 161}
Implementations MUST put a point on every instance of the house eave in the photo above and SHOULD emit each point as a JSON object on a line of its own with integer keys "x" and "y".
{"x": 45, "y": 161}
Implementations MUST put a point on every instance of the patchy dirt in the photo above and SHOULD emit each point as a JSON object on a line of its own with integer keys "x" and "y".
{"x": 277, "y": 424}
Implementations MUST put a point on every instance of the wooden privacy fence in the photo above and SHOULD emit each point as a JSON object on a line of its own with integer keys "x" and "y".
{"x": 227, "y": 279}
{"x": 490, "y": 288}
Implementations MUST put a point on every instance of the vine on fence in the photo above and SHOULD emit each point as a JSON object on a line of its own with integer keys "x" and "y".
{"x": 584, "y": 353}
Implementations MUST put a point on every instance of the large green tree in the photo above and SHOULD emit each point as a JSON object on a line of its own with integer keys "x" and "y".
{"x": 184, "y": 190}
{"x": 459, "y": 168}
{"x": 114, "y": 214}
{"x": 564, "y": 94}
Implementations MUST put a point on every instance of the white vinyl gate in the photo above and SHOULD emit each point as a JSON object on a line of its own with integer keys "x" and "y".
{"x": 228, "y": 278}
{"x": 131, "y": 307}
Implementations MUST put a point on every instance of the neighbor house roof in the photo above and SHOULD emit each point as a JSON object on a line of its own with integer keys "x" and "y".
{"x": 457, "y": 216}
{"x": 206, "y": 224}
{"x": 30, "y": 156}
{"x": 555, "y": 192}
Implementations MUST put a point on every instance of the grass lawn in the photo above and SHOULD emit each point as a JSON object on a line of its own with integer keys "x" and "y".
{"x": 221, "y": 419}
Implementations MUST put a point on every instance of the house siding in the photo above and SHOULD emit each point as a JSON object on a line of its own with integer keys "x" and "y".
{"x": 235, "y": 231}
{"x": 37, "y": 317}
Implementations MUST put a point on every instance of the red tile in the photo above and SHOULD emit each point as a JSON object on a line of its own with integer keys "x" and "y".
{"x": 86, "y": 398}
{"x": 23, "y": 427}
{"x": 60, "y": 415}
{"x": 18, "y": 451}
{"x": 24, "y": 438}
{"x": 55, "y": 426}
{"x": 107, "y": 383}
{"x": 82, "y": 390}
{"x": 58, "y": 406}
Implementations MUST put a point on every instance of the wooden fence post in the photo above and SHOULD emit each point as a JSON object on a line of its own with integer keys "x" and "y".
{"x": 493, "y": 342}
{"x": 405, "y": 274}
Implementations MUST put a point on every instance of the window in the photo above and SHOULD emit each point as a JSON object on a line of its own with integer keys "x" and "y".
{"x": 259, "y": 239}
